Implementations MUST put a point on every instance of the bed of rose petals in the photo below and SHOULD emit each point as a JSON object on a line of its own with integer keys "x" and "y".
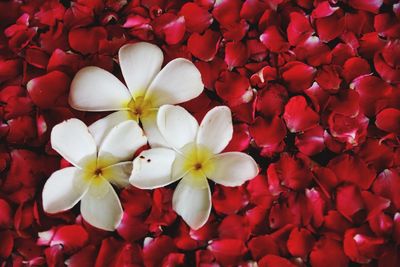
{"x": 314, "y": 87}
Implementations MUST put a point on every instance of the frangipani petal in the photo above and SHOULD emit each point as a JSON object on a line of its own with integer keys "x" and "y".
{"x": 118, "y": 174}
{"x": 72, "y": 140}
{"x": 121, "y": 142}
{"x": 62, "y": 190}
{"x": 192, "y": 203}
{"x": 176, "y": 125}
{"x": 216, "y": 129}
{"x": 100, "y": 128}
{"x": 94, "y": 89}
{"x": 153, "y": 168}
{"x": 154, "y": 136}
{"x": 140, "y": 63}
{"x": 177, "y": 82}
{"x": 100, "y": 206}
{"x": 232, "y": 168}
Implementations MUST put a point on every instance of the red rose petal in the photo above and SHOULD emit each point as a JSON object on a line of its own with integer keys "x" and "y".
{"x": 298, "y": 76}
{"x": 204, "y": 46}
{"x": 49, "y": 90}
{"x": 197, "y": 18}
{"x": 299, "y": 116}
{"x": 228, "y": 251}
{"x": 328, "y": 253}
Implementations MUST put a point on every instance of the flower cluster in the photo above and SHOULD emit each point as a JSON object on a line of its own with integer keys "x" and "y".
{"x": 313, "y": 87}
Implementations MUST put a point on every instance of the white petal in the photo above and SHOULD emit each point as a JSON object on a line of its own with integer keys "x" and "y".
{"x": 176, "y": 125}
{"x": 177, "y": 82}
{"x": 232, "y": 168}
{"x": 154, "y": 136}
{"x": 72, "y": 140}
{"x": 121, "y": 142}
{"x": 192, "y": 203}
{"x": 118, "y": 174}
{"x": 99, "y": 129}
{"x": 153, "y": 168}
{"x": 94, "y": 89}
{"x": 62, "y": 191}
{"x": 104, "y": 210}
{"x": 140, "y": 63}
{"x": 216, "y": 129}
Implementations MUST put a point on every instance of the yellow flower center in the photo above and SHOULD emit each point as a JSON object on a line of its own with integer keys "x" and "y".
{"x": 140, "y": 107}
{"x": 196, "y": 161}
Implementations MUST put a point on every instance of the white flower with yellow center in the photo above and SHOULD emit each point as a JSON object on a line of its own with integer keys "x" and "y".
{"x": 95, "y": 166}
{"x": 147, "y": 88}
{"x": 193, "y": 154}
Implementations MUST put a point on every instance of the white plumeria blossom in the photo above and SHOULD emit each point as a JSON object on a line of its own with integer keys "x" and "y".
{"x": 95, "y": 167}
{"x": 193, "y": 154}
{"x": 147, "y": 88}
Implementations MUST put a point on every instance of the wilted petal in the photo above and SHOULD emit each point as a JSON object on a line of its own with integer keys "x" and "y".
{"x": 232, "y": 168}
{"x": 94, "y": 89}
{"x": 153, "y": 168}
{"x": 216, "y": 129}
{"x": 177, "y": 82}
{"x": 72, "y": 140}
{"x": 122, "y": 142}
{"x": 176, "y": 125}
{"x": 192, "y": 202}
{"x": 140, "y": 63}
{"x": 100, "y": 206}
{"x": 62, "y": 190}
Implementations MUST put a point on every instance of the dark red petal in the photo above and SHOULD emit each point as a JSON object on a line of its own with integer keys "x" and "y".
{"x": 328, "y": 78}
{"x": 298, "y": 76}
{"x": 371, "y": 6}
{"x": 300, "y": 242}
{"x": 228, "y": 200}
{"x": 197, "y": 18}
{"x": 323, "y": 9}
{"x": 328, "y": 253}
{"x": 170, "y": 27}
{"x": 132, "y": 228}
{"x": 228, "y": 251}
{"x": 49, "y": 90}
{"x": 268, "y": 132}
{"x": 355, "y": 67}
{"x": 271, "y": 101}
{"x": 360, "y": 247}
{"x": 273, "y": 260}
{"x": 5, "y": 214}
{"x": 7, "y": 243}
{"x": 236, "y": 54}
{"x": 240, "y": 139}
{"x": 261, "y": 246}
{"x": 234, "y": 227}
{"x": 389, "y": 120}
{"x": 387, "y": 184}
{"x": 328, "y": 28}
{"x": 273, "y": 40}
{"x": 85, "y": 257}
{"x": 86, "y": 40}
{"x": 350, "y": 204}
{"x": 311, "y": 142}
{"x": 233, "y": 88}
{"x": 204, "y": 46}
{"x": 299, "y": 116}
{"x": 154, "y": 250}
{"x": 299, "y": 28}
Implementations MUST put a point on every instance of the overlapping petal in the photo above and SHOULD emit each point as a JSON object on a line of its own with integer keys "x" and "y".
{"x": 72, "y": 140}
{"x": 94, "y": 89}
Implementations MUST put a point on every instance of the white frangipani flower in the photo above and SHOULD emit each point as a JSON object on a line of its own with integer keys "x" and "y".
{"x": 96, "y": 165}
{"x": 193, "y": 154}
{"x": 147, "y": 88}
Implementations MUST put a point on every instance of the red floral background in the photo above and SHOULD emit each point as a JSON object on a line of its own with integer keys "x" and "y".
{"x": 314, "y": 87}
